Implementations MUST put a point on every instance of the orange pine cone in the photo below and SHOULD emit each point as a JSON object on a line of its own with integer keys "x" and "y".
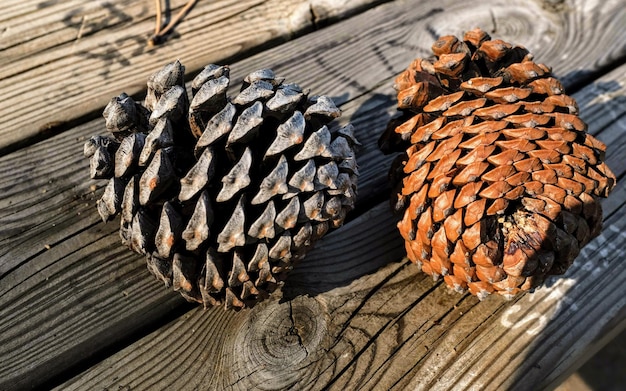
{"x": 499, "y": 181}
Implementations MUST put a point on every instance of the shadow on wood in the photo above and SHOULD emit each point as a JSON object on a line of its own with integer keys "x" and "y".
{"x": 396, "y": 327}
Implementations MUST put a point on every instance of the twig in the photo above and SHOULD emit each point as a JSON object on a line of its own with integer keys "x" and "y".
{"x": 157, "y": 26}
{"x": 160, "y": 33}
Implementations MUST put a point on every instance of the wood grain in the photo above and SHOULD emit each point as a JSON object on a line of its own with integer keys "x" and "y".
{"x": 83, "y": 253}
{"x": 356, "y": 62}
{"x": 86, "y": 280}
{"x": 395, "y": 329}
{"x": 62, "y": 60}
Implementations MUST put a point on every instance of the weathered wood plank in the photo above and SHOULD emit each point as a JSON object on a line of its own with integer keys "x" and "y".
{"x": 29, "y": 210}
{"x": 70, "y": 299}
{"x": 335, "y": 49}
{"x": 395, "y": 329}
{"x": 353, "y": 60}
{"x": 64, "y": 59}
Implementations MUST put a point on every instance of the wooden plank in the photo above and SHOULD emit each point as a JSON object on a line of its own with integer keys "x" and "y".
{"x": 334, "y": 47}
{"x": 70, "y": 299}
{"x": 65, "y": 59}
{"x": 395, "y": 329}
{"x": 337, "y": 45}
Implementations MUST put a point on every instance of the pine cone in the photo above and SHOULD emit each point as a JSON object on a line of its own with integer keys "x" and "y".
{"x": 499, "y": 182}
{"x": 223, "y": 195}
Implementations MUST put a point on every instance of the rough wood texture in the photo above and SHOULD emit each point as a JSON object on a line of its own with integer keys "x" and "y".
{"x": 396, "y": 328}
{"x": 65, "y": 59}
{"x": 61, "y": 306}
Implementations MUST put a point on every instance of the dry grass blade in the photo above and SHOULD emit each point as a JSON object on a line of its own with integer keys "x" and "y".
{"x": 160, "y": 33}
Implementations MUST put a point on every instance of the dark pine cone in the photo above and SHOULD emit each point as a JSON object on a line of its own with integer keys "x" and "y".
{"x": 499, "y": 182}
{"x": 223, "y": 195}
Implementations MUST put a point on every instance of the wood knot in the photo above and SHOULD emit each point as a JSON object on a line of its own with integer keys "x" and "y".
{"x": 280, "y": 342}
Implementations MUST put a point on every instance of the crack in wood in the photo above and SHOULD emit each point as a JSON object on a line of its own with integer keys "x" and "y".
{"x": 367, "y": 296}
{"x": 372, "y": 339}
{"x": 294, "y": 330}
